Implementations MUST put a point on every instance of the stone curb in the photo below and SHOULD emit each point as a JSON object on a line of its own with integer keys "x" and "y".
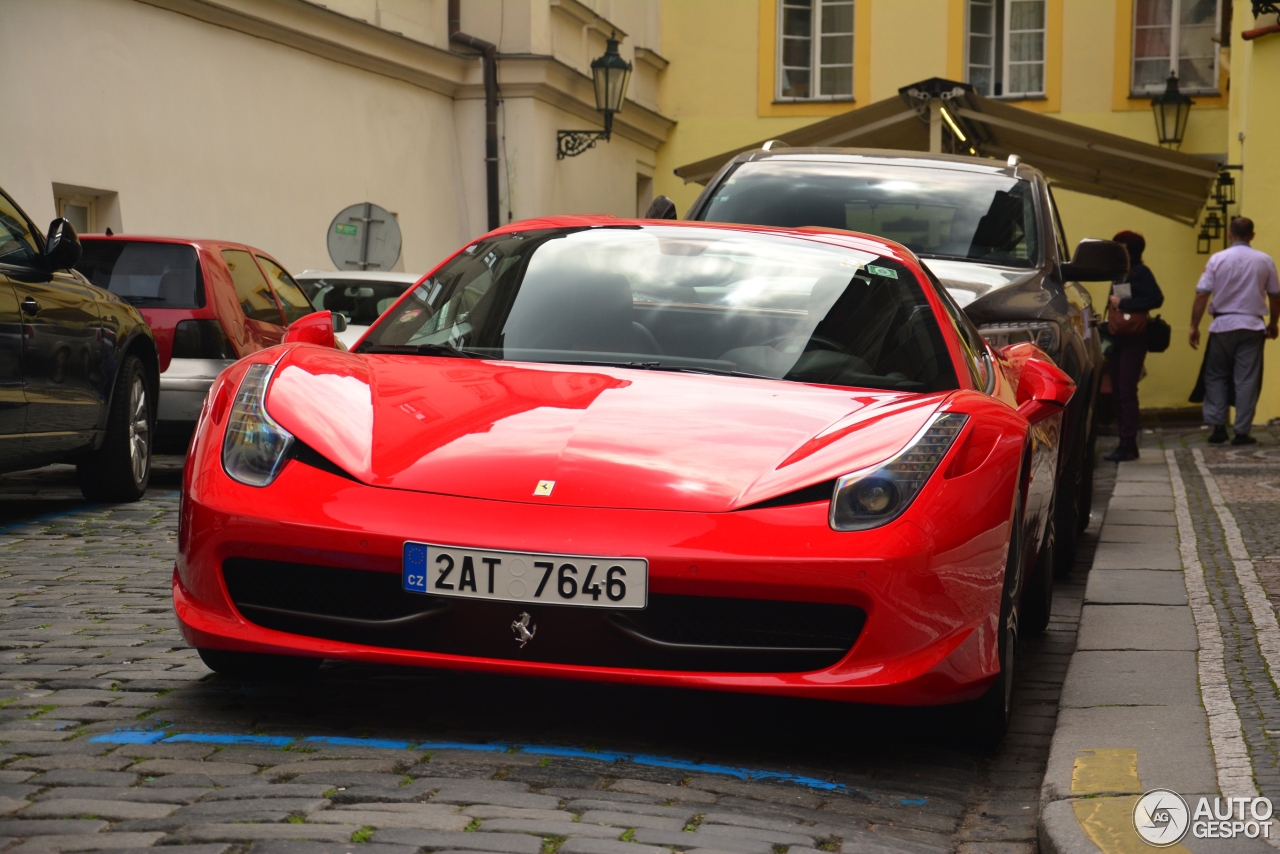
{"x": 1109, "y": 701}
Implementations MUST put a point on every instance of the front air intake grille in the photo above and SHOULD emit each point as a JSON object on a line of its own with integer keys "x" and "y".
{"x": 694, "y": 633}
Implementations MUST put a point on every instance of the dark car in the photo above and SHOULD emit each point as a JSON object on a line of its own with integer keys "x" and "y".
{"x": 988, "y": 230}
{"x": 78, "y": 367}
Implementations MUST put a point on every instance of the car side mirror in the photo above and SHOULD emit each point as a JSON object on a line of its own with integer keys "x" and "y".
{"x": 1043, "y": 389}
{"x": 661, "y": 208}
{"x": 339, "y": 321}
{"x": 317, "y": 328}
{"x": 1097, "y": 261}
{"x": 62, "y": 247}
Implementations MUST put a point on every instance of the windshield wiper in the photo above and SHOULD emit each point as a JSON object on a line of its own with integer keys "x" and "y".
{"x": 422, "y": 350}
{"x": 138, "y": 300}
{"x": 942, "y": 257}
{"x": 658, "y": 366}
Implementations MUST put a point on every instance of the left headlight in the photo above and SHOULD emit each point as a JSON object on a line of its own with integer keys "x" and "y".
{"x": 255, "y": 447}
{"x": 1045, "y": 334}
{"x": 871, "y": 497}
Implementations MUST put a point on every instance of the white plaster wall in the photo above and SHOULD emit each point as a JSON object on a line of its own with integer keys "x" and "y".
{"x": 207, "y": 132}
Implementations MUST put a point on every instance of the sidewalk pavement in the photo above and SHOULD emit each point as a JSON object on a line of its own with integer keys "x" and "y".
{"x": 1170, "y": 684}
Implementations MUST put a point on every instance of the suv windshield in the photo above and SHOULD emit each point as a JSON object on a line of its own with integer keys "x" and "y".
{"x": 154, "y": 275}
{"x": 360, "y": 302}
{"x": 940, "y": 213}
{"x": 680, "y": 299}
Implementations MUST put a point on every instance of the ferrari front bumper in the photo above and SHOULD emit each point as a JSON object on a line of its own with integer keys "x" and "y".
{"x": 765, "y": 601}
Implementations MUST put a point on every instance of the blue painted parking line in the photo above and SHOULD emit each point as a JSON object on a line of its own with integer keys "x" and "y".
{"x": 230, "y": 739}
{"x": 341, "y": 741}
{"x": 128, "y": 737}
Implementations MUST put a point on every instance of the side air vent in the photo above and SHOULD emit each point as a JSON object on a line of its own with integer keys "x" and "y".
{"x": 818, "y": 492}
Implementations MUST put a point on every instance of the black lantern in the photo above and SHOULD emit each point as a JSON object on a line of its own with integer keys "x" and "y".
{"x": 1212, "y": 224}
{"x": 610, "y": 73}
{"x": 1224, "y": 192}
{"x": 1204, "y": 241}
{"x": 1171, "y": 108}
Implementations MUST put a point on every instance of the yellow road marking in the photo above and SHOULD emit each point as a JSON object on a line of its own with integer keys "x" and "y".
{"x": 1108, "y": 821}
{"x": 1106, "y": 771}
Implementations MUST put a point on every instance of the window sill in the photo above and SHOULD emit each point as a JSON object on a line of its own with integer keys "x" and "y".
{"x": 842, "y": 100}
{"x": 1013, "y": 98}
{"x": 1204, "y": 93}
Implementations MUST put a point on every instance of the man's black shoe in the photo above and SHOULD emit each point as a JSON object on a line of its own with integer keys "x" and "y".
{"x": 1122, "y": 455}
{"x": 1244, "y": 439}
{"x": 1218, "y": 436}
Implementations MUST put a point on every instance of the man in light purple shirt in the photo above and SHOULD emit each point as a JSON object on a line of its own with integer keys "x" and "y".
{"x": 1244, "y": 286}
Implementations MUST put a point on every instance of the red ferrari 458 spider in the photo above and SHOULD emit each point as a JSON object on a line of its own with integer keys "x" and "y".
{"x": 696, "y": 455}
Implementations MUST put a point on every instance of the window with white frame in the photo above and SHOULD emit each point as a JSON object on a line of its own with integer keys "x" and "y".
{"x": 1005, "y": 52}
{"x": 1175, "y": 36}
{"x": 815, "y": 50}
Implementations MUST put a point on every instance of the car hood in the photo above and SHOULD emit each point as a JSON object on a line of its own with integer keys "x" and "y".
{"x": 991, "y": 293}
{"x": 606, "y": 437}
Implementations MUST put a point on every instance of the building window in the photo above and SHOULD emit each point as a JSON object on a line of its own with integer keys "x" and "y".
{"x": 1175, "y": 36}
{"x": 1006, "y": 48}
{"x": 815, "y": 50}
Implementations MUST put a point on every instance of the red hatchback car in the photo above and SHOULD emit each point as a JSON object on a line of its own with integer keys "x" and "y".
{"x": 708, "y": 456}
{"x": 209, "y": 303}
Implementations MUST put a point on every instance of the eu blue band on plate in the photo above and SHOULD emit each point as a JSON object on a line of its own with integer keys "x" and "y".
{"x": 415, "y": 568}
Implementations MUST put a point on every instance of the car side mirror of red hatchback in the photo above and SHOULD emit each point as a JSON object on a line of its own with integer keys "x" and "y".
{"x": 1042, "y": 388}
{"x": 315, "y": 328}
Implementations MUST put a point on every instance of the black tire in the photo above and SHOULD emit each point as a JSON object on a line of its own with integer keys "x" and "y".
{"x": 987, "y": 718}
{"x": 1086, "y": 485}
{"x": 1037, "y": 598}
{"x": 1066, "y": 519}
{"x": 120, "y": 470}
{"x": 258, "y": 667}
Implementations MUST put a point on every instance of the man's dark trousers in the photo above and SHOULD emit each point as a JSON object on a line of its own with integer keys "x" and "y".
{"x": 1234, "y": 355}
{"x": 1125, "y": 360}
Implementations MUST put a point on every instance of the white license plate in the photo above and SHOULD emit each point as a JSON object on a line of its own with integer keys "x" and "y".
{"x": 594, "y": 582}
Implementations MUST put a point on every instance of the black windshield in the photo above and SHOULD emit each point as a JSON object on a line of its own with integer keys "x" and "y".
{"x": 933, "y": 212}
{"x": 149, "y": 275}
{"x": 678, "y": 298}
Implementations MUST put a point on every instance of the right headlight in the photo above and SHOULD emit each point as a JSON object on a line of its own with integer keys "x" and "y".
{"x": 871, "y": 497}
{"x": 255, "y": 448}
{"x": 1045, "y": 334}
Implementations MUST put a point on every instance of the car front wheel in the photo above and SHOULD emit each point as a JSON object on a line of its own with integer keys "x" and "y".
{"x": 119, "y": 471}
{"x": 988, "y": 717}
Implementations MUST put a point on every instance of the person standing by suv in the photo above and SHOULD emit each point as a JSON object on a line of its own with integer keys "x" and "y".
{"x": 1137, "y": 294}
{"x": 1237, "y": 279}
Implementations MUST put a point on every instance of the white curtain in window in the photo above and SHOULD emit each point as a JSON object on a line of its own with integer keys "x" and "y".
{"x": 1006, "y": 47}
{"x": 815, "y": 49}
{"x": 1175, "y": 36}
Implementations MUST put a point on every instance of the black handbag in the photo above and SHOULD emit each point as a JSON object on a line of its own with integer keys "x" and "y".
{"x": 1158, "y": 334}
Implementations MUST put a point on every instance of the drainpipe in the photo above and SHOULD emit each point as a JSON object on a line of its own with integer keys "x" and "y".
{"x": 489, "y": 55}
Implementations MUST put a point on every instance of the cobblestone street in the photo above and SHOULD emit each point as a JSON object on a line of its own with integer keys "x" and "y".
{"x": 117, "y": 736}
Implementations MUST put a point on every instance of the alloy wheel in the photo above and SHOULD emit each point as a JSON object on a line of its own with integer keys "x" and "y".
{"x": 139, "y": 430}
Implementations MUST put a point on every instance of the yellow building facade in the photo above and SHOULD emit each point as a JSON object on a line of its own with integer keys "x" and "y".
{"x": 734, "y": 67}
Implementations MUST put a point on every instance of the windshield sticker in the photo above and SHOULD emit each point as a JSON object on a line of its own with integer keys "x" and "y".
{"x": 882, "y": 271}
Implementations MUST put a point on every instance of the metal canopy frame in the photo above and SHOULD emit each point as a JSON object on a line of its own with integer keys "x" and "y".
{"x": 1169, "y": 183}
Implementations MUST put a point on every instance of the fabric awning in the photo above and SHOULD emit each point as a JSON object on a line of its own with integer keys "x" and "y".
{"x": 1072, "y": 156}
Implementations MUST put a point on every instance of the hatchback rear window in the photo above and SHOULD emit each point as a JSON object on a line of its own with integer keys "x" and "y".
{"x": 151, "y": 275}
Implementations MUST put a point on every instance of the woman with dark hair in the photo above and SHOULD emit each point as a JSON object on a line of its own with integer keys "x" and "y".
{"x": 1136, "y": 295}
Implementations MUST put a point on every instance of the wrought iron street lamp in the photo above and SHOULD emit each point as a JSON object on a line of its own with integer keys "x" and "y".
{"x": 610, "y": 73}
{"x": 1171, "y": 108}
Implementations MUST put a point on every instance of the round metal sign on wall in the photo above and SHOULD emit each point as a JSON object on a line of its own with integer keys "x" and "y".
{"x": 364, "y": 237}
